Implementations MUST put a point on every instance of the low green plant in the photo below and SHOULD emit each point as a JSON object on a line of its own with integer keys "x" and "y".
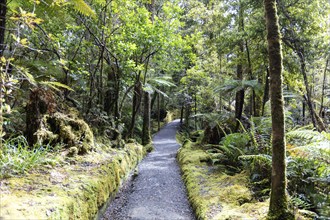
{"x": 231, "y": 147}
{"x": 259, "y": 168}
{"x": 18, "y": 158}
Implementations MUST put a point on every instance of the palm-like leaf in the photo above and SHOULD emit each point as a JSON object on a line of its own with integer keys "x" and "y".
{"x": 82, "y": 7}
{"x": 233, "y": 86}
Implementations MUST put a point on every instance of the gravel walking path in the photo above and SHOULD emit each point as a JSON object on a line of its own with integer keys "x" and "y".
{"x": 157, "y": 192}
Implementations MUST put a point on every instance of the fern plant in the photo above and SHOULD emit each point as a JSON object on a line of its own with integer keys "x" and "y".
{"x": 229, "y": 150}
{"x": 259, "y": 168}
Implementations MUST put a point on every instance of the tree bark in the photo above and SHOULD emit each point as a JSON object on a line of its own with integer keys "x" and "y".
{"x": 181, "y": 113}
{"x": 187, "y": 116}
{"x": 323, "y": 88}
{"x": 317, "y": 121}
{"x": 146, "y": 136}
{"x": 136, "y": 106}
{"x": 266, "y": 93}
{"x": 239, "y": 100}
{"x": 158, "y": 111}
{"x": 3, "y": 13}
{"x": 278, "y": 208}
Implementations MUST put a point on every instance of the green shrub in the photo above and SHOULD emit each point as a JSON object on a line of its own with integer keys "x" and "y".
{"x": 259, "y": 168}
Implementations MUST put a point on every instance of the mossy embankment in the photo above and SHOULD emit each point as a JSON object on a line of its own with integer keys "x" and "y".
{"x": 213, "y": 193}
{"x": 76, "y": 189}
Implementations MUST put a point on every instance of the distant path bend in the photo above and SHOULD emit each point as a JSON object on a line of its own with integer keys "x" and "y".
{"x": 158, "y": 191}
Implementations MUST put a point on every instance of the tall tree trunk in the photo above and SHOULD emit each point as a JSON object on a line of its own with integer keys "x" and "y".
{"x": 253, "y": 110}
{"x": 323, "y": 88}
{"x": 187, "y": 116}
{"x": 239, "y": 103}
{"x": 158, "y": 111}
{"x": 195, "y": 118}
{"x": 3, "y": 13}
{"x": 317, "y": 121}
{"x": 266, "y": 93}
{"x": 304, "y": 112}
{"x": 181, "y": 113}
{"x": 112, "y": 92}
{"x": 278, "y": 208}
{"x": 136, "y": 106}
{"x": 152, "y": 9}
{"x": 146, "y": 136}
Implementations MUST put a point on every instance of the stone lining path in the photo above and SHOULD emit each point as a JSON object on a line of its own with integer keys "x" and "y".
{"x": 157, "y": 192}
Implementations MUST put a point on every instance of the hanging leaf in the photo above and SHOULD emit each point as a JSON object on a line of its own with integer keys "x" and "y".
{"x": 56, "y": 85}
{"x": 82, "y": 7}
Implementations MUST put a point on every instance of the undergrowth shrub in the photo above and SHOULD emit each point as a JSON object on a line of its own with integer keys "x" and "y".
{"x": 259, "y": 168}
{"x": 260, "y": 130}
{"x": 227, "y": 153}
{"x": 18, "y": 158}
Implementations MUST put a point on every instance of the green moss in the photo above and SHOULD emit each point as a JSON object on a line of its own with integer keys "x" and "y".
{"x": 69, "y": 191}
{"x": 66, "y": 129}
{"x": 148, "y": 148}
{"x": 214, "y": 194}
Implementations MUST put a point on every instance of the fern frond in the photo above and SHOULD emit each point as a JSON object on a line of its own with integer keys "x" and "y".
{"x": 306, "y": 134}
{"x": 82, "y": 7}
{"x": 237, "y": 85}
{"x": 55, "y": 85}
{"x": 161, "y": 81}
{"x": 260, "y": 161}
{"x": 101, "y": 2}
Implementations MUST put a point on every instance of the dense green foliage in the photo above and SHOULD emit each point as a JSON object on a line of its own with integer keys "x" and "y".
{"x": 91, "y": 62}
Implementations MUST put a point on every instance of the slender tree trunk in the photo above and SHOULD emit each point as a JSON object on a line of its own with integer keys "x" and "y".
{"x": 153, "y": 100}
{"x": 136, "y": 106}
{"x": 317, "y": 121}
{"x": 266, "y": 93}
{"x": 239, "y": 103}
{"x": 253, "y": 110}
{"x": 278, "y": 208}
{"x": 323, "y": 88}
{"x": 304, "y": 112}
{"x": 146, "y": 137}
{"x": 187, "y": 116}
{"x": 195, "y": 118}
{"x": 181, "y": 114}
{"x": 111, "y": 97}
{"x": 152, "y": 10}
{"x": 3, "y": 13}
{"x": 158, "y": 111}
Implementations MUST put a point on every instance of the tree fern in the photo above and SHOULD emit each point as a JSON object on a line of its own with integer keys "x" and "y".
{"x": 308, "y": 135}
{"x": 233, "y": 86}
{"x": 82, "y": 7}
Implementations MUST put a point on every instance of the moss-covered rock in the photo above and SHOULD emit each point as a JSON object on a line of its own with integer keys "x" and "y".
{"x": 75, "y": 191}
{"x": 67, "y": 129}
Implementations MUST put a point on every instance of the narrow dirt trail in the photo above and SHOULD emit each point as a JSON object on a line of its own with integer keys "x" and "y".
{"x": 158, "y": 191}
